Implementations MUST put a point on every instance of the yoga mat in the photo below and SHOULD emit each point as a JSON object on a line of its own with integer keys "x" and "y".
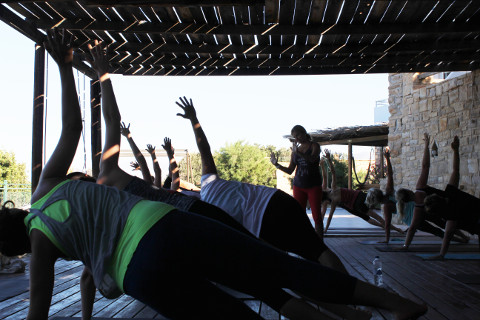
{"x": 96, "y": 318}
{"x": 13, "y": 284}
{"x": 401, "y": 241}
{"x": 427, "y": 248}
{"x": 466, "y": 278}
{"x": 452, "y": 256}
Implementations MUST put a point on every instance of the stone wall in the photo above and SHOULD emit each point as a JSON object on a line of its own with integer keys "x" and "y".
{"x": 444, "y": 110}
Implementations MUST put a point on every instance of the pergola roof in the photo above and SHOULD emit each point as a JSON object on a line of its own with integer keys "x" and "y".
{"x": 374, "y": 135}
{"x": 269, "y": 37}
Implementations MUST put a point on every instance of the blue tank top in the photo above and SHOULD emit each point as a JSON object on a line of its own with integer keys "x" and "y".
{"x": 308, "y": 173}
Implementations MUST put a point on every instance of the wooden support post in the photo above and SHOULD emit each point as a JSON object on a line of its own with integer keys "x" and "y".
{"x": 350, "y": 162}
{"x": 96, "y": 126}
{"x": 38, "y": 114}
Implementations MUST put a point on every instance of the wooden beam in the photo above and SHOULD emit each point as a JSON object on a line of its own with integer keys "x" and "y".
{"x": 350, "y": 166}
{"x": 96, "y": 126}
{"x": 159, "y": 3}
{"x": 30, "y": 31}
{"x": 38, "y": 114}
{"x": 141, "y": 26}
{"x": 378, "y": 140}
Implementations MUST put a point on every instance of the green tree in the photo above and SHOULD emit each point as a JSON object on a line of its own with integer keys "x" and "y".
{"x": 11, "y": 170}
{"x": 243, "y": 162}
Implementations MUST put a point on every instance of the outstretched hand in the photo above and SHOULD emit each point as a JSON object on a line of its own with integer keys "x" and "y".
{"x": 98, "y": 59}
{"x": 167, "y": 145}
{"x": 327, "y": 153}
{"x": 134, "y": 165}
{"x": 59, "y": 47}
{"x": 150, "y": 149}
{"x": 187, "y": 107}
{"x": 273, "y": 158}
{"x": 456, "y": 143}
{"x": 426, "y": 138}
{"x": 125, "y": 130}
{"x": 386, "y": 152}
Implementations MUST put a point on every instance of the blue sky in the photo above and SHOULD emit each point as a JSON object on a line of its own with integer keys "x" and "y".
{"x": 254, "y": 109}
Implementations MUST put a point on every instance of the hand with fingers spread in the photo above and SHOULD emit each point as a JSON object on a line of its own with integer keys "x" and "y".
{"x": 456, "y": 143}
{"x": 98, "y": 59}
{"x": 167, "y": 145}
{"x": 135, "y": 165}
{"x": 125, "y": 130}
{"x": 187, "y": 107}
{"x": 273, "y": 158}
{"x": 150, "y": 149}
{"x": 327, "y": 154}
{"x": 59, "y": 46}
{"x": 386, "y": 153}
{"x": 426, "y": 138}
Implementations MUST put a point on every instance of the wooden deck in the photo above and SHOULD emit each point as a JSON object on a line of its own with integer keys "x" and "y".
{"x": 451, "y": 288}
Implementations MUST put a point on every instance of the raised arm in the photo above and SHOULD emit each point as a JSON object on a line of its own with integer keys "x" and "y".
{"x": 125, "y": 131}
{"x": 389, "y": 187}
{"x": 156, "y": 167}
{"x": 332, "y": 171}
{"x": 208, "y": 164}
{"x": 173, "y": 167}
{"x": 56, "y": 168}
{"x": 87, "y": 292}
{"x": 423, "y": 178}
{"x": 455, "y": 176}
{"x": 110, "y": 172}
{"x": 287, "y": 170}
{"x": 333, "y": 206}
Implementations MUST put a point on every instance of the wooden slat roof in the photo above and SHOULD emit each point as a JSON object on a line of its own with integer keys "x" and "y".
{"x": 269, "y": 37}
{"x": 374, "y": 135}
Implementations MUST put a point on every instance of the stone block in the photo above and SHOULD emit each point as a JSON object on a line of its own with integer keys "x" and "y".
{"x": 438, "y": 90}
{"x": 422, "y": 105}
{"x": 472, "y": 165}
{"x": 453, "y": 95}
{"x": 462, "y": 93}
{"x": 444, "y": 100}
{"x": 442, "y": 123}
{"x": 452, "y": 83}
{"x": 423, "y": 92}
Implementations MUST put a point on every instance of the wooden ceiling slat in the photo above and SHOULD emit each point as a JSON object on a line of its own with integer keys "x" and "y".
{"x": 227, "y": 15}
{"x": 197, "y": 15}
{"x": 332, "y": 11}
{"x": 417, "y": 11}
{"x": 185, "y": 14}
{"x": 377, "y": 11}
{"x": 471, "y": 13}
{"x": 21, "y": 10}
{"x": 271, "y": 11}
{"x": 210, "y": 15}
{"x": 327, "y": 30}
{"x": 302, "y": 12}
{"x": 286, "y": 12}
{"x": 349, "y": 12}
{"x": 269, "y": 37}
{"x": 256, "y": 14}
{"x": 317, "y": 12}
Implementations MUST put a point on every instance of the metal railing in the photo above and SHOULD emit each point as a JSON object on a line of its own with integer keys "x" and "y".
{"x": 20, "y": 194}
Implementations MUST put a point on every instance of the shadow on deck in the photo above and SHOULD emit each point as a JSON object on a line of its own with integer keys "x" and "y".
{"x": 451, "y": 288}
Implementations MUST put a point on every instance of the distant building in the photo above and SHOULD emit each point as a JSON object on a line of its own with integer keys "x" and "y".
{"x": 380, "y": 113}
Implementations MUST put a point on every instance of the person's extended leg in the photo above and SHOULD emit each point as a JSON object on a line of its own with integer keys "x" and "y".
{"x": 213, "y": 212}
{"x": 315, "y": 200}
{"x": 301, "y": 196}
{"x": 286, "y": 226}
{"x": 228, "y": 257}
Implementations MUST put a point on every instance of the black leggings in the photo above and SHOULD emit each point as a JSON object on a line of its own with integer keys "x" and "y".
{"x": 286, "y": 226}
{"x": 175, "y": 263}
{"x": 208, "y": 210}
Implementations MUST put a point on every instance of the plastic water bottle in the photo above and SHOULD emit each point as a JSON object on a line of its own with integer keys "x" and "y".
{"x": 377, "y": 272}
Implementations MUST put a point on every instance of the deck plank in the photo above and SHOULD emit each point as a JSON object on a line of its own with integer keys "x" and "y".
{"x": 404, "y": 273}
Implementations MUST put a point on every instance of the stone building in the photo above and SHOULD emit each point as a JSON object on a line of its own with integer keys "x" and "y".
{"x": 444, "y": 109}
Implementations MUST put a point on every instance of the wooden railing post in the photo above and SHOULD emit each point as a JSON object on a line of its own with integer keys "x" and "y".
{"x": 38, "y": 114}
{"x": 96, "y": 126}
